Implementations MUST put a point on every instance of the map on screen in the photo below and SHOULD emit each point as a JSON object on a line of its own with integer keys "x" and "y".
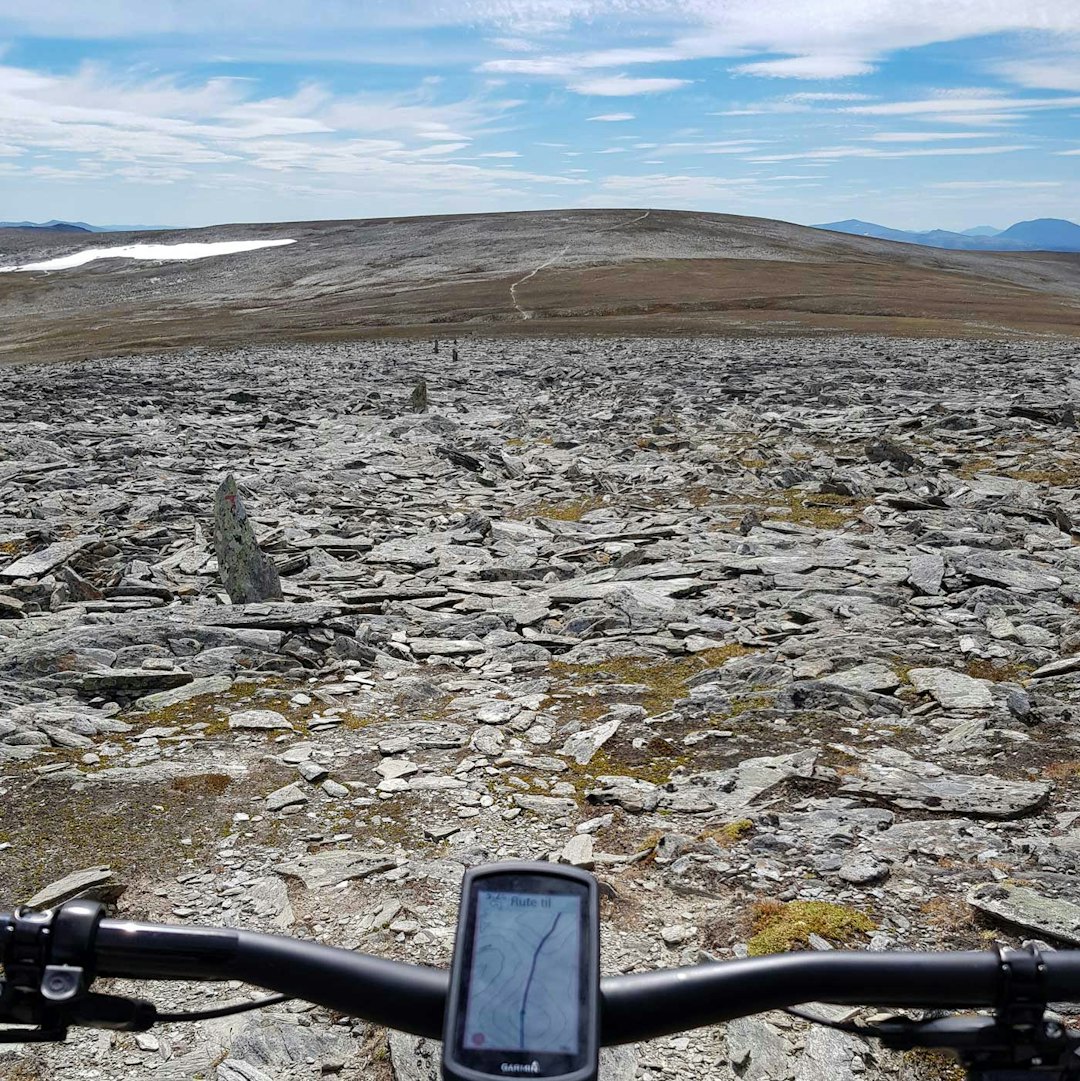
{"x": 523, "y": 984}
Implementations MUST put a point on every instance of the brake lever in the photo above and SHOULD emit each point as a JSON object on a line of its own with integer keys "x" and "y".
{"x": 48, "y": 964}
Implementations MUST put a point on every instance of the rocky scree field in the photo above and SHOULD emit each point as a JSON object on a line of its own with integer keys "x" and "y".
{"x": 780, "y": 638}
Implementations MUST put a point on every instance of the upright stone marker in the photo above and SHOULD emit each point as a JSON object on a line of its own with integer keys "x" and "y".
{"x": 418, "y": 401}
{"x": 248, "y": 574}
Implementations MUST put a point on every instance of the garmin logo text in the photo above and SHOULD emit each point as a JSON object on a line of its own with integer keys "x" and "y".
{"x": 520, "y": 1067}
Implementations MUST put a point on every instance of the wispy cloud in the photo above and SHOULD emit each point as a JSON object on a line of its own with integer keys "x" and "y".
{"x": 973, "y": 106}
{"x": 993, "y": 185}
{"x": 816, "y": 66}
{"x": 620, "y": 86}
{"x": 818, "y": 96}
{"x": 1057, "y": 72}
{"x": 835, "y": 153}
{"x": 926, "y": 136}
{"x": 612, "y": 118}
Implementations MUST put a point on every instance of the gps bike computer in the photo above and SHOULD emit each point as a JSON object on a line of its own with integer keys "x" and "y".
{"x": 525, "y": 979}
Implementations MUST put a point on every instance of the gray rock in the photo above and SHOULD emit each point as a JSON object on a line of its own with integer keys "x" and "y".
{"x": 626, "y": 792}
{"x": 1053, "y": 917}
{"x": 331, "y": 866}
{"x": 582, "y": 746}
{"x": 545, "y": 806}
{"x": 194, "y": 689}
{"x": 98, "y": 883}
{"x": 444, "y": 647}
{"x": 286, "y": 797}
{"x": 1060, "y": 667}
{"x": 232, "y": 1069}
{"x": 37, "y": 564}
{"x": 133, "y": 681}
{"x": 248, "y": 574}
{"x": 757, "y": 1050}
{"x": 578, "y": 851}
{"x": 265, "y": 720}
{"x": 872, "y": 676}
{"x": 950, "y": 689}
{"x": 927, "y": 572}
{"x": 269, "y": 900}
{"x": 905, "y": 782}
{"x": 862, "y": 869}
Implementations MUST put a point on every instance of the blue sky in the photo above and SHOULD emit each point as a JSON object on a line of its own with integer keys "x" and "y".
{"x": 950, "y": 113}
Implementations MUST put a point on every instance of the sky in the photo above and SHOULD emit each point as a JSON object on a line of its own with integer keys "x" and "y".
{"x": 916, "y": 114}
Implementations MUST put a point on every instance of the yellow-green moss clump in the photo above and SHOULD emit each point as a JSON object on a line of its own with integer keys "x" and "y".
{"x": 730, "y": 833}
{"x": 923, "y": 1065}
{"x": 779, "y": 927}
{"x": 213, "y": 709}
{"x": 665, "y": 681}
{"x": 572, "y": 510}
{"x": 1007, "y": 672}
{"x": 822, "y": 511}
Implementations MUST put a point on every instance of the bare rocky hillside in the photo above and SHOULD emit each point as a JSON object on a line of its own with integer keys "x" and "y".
{"x": 780, "y": 637}
{"x": 569, "y": 272}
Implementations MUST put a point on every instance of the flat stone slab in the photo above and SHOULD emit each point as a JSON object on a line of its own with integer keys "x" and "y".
{"x": 952, "y": 690}
{"x": 267, "y": 615}
{"x": 581, "y": 746}
{"x": 47, "y": 559}
{"x": 133, "y": 680}
{"x": 328, "y": 868}
{"x": 444, "y": 647}
{"x": 173, "y": 697}
{"x": 1057, "y": 668}
{"x": 927, "y": 572}
{"x": 1047, "y": 916}
{"x": 97, "y": 882}
{"x": 1019, "y": 575}
{"x": 266, "y": 720}
{"x": 286, "y": 797}
{"x": 869, "y": 677}
{"x": 906, "y": 782}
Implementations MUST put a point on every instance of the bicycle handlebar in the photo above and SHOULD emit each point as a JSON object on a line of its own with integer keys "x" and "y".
{"x": 411, "y": 998}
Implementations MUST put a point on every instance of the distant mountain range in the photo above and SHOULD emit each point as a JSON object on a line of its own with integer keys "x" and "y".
{"x": 1040, "y": 234}
{"x": 55, "y": 226}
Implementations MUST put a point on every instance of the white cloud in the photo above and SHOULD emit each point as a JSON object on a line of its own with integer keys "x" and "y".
{"x": 827, "y": 96}
{"x": 973, "y": 105}
{"x": 993, "y": 185}
{"x": 500, "y": 154}
{"x": 833, "y": 153}
{"x": 612, "y": 118}
{"x": 1068, "y": 153}
{"x": 816, "y": 66}
{"x": 160, "y": 131}
{"x": 617, "y": 86}
{"x": 679, "y": 189}
{"x": 925, "y": 136}
{"x": 513, "y": 45}
{"x": 1059, "y": 72}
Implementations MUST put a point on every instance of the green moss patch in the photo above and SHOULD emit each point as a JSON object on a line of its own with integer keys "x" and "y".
{"x": 665, "y": 680}
{"x": 779, "y": 927}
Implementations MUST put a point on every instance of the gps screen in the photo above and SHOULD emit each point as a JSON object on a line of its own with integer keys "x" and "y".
{"x": 523, "y": 981}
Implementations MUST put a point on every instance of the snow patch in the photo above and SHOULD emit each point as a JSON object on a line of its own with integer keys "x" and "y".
{"x": 150, "y": 251}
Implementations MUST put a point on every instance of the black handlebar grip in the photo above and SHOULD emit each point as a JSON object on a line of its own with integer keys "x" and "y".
{"x": 634, "y": 1007}
{"x": 650, "y": 1004}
